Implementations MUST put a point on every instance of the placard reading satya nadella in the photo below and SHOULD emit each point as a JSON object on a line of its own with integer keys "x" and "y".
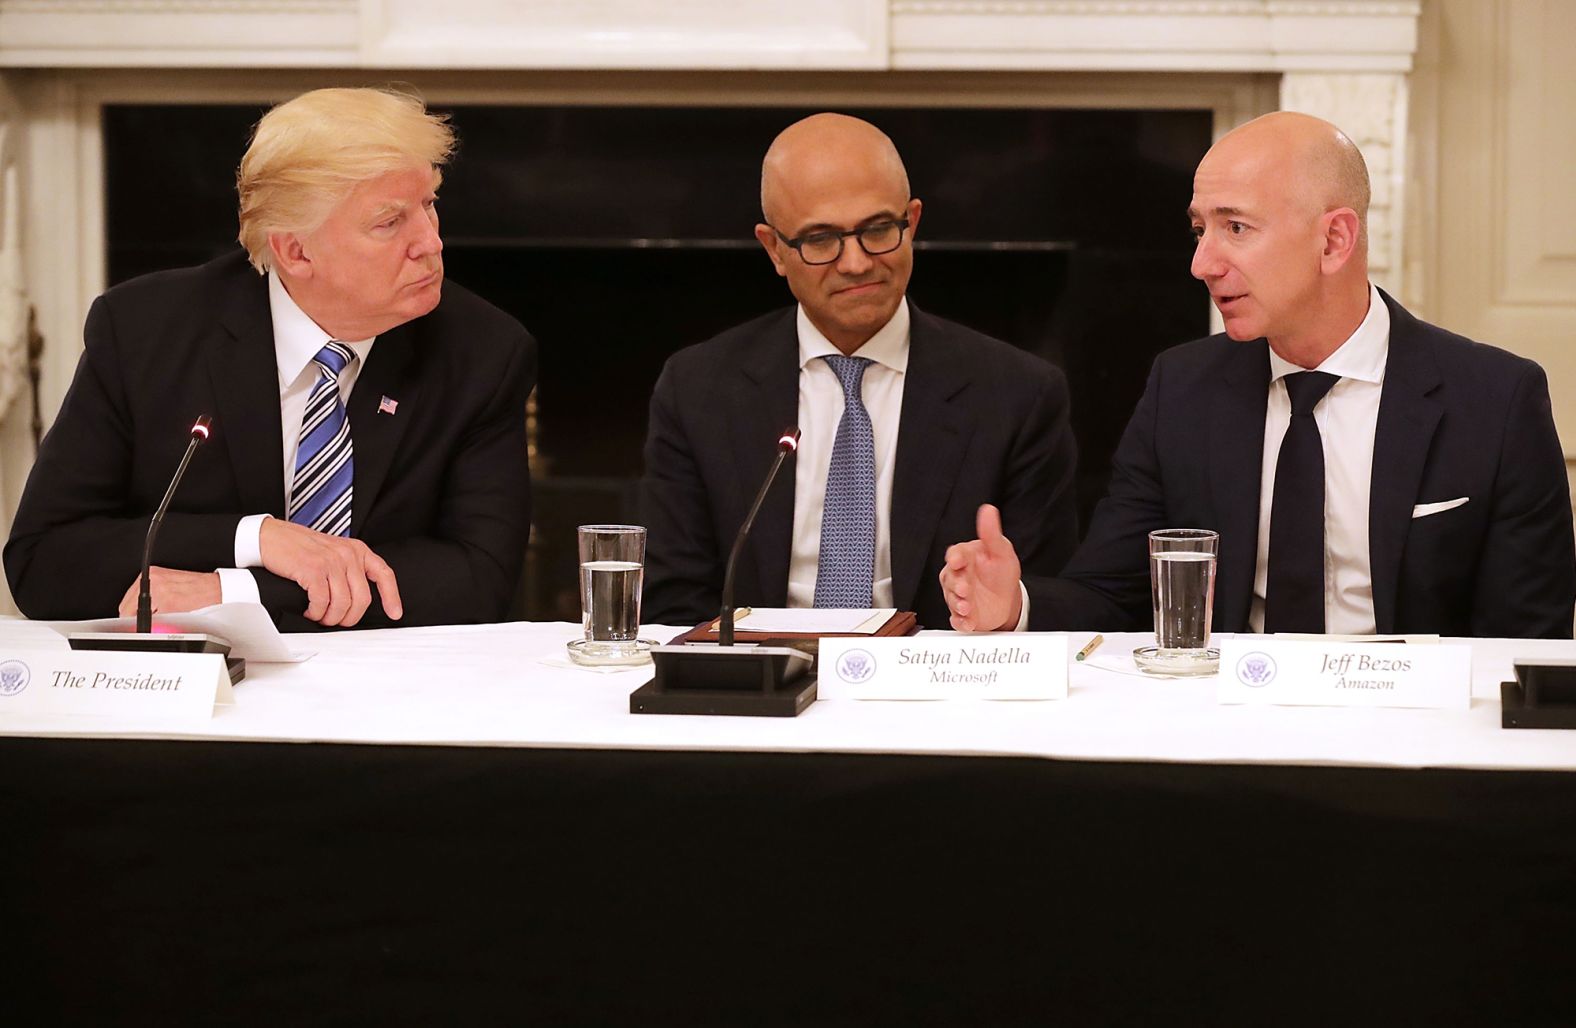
{"x": 1017, "y": 666}
{"x": 138, "y": 687}
{"x": 1263, "y": 669}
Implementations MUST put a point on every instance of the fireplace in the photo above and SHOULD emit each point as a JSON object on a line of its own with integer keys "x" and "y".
{"x": 618, "y": 235}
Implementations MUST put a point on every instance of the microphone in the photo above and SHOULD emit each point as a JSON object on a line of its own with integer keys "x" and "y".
{"x": 144, "y": 639}
{"x": 786, "y": 444}
{"x": 201, "y": 429}
{"x": 773, "y": 681}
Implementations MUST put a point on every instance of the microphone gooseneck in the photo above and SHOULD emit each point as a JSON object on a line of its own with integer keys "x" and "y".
{"x": 787, "y": 443}
{"x": 200, "y": 431}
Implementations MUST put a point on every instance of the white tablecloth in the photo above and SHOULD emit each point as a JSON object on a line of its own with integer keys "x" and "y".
{"x": 509, "y": 685}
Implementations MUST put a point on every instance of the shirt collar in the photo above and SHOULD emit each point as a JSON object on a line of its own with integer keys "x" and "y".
{"x": 297, "y": 338}
{"x": 1362, "y": 356}
{"x": 888, "y": 347}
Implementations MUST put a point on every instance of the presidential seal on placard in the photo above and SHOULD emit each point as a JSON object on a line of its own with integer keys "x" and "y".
{"x": 855, "y": 666}
{"x": 1256, "y": 670}
{"x": 14, "y": 677}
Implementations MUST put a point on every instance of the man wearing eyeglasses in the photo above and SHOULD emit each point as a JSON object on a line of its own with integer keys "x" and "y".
{"x": 909, "y": 421}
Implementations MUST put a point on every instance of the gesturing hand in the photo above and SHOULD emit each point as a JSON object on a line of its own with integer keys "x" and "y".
{"x": 333, "y": 570}
{"x": 980, "y": 578}
{"x": 173, "y": 592}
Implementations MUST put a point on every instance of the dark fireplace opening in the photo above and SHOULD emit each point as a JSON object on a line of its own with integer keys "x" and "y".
{"x": 619, "y": 235}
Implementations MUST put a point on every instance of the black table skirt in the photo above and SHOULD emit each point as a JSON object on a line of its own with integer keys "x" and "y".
{"x": 182, "y": 882}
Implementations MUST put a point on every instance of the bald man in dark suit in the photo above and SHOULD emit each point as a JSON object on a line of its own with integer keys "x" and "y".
{"x": 910, "y": 422}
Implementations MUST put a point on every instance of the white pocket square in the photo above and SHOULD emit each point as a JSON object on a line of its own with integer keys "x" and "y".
{"x": 1422, "y": 510}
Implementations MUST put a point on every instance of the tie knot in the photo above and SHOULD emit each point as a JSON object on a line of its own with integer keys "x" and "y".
{"x": 850, "y": 371}
{"x": 333, "y": 358}
{"x": 1307, "y": 388}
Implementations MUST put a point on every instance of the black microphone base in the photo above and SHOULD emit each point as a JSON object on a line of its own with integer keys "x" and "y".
{"x": 149, "y": 642}
{"x": 742, "y": 680}
{"x": 160, "y": 642}
{"x": 1543, "y": 696}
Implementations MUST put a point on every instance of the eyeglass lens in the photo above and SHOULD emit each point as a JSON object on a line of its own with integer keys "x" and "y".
{"x": 825, "y": 247}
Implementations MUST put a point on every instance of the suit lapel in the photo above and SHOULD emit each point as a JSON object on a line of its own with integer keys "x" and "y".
{"x": 1408, "y": 417}
{"x": 1236, "y": 459}
{"x": 933, "y": 432}
{"x": 766, "y": 403}
{"x": 376, "y": 435}
{"x": 245, "y": 374}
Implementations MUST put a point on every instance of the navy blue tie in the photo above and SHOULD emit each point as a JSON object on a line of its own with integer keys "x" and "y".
{"x": 845, "y": 572}
{"x": 1294, "y": 592}
{"x": 320, "y": 492}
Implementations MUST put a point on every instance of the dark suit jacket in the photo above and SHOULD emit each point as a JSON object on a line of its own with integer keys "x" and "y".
{"x": 442, "y": 489}
{"x": 1456, "y": 418}
{"x": 981, "y": 422}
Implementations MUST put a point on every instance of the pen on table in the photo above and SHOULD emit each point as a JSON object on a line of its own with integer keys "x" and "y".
{"x": 738, "y": 615}
{"x": 1090, "y": 647}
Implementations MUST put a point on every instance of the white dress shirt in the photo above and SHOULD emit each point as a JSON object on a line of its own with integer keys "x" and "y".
{"x": 297, "y": 339}
{"x": 1347, "y": 417}
{"x": 820, "y": 409}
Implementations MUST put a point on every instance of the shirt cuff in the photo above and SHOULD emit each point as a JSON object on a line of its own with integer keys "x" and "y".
{"x": 1023, "y": 619}
{"x": 249, "y": 541}
{"x": 237, "y": 585}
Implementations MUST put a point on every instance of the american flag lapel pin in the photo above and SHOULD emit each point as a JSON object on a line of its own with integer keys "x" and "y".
{"x": 387, "y": 406}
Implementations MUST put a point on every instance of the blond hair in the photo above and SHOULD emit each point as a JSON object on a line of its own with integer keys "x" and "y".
{"x": 307, "y": 154}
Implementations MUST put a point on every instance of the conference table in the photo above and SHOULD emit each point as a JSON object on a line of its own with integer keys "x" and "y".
{"x": 456, "y": 825}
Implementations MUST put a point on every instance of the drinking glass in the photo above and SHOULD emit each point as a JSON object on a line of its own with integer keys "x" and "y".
{"x": 612, "y": 568}
{"x": 1182, "y": 593}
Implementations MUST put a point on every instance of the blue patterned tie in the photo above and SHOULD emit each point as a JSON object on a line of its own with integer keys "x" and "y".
{"x": 846, "y": 570}
{"x": 324, "y": 467}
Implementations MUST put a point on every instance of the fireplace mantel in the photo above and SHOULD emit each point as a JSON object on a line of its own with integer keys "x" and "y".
{"x": 1375, "y": 36}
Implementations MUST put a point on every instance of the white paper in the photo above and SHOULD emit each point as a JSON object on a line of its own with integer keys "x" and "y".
{"x": 245, "y": 626}
{"x": 814, "y": 619}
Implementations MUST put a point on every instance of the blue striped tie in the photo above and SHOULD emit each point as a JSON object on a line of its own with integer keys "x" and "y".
{"x": 324, "y": 465}
{"x": 845, "y": 571}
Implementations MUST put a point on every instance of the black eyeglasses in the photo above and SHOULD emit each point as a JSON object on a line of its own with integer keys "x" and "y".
{"x": 826, "y": 247}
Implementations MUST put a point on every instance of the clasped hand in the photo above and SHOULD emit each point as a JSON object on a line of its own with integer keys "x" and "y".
{"x": 337, "y": 574}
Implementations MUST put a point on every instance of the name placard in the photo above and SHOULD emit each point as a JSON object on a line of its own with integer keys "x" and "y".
{"x": 1026, "y": 666}
{"x": 104, "y": 683}
{"x": 1345, "y": 674}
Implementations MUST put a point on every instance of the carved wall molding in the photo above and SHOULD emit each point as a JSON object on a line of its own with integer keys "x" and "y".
{"x": 1162, "y": 35}
{"x": 1078, "y": 7}
{"x": 1330, "y": 8}
{"x": 1137, "y": 35}
{"x": 178, "y": 33}
{"x": 197, "y": 7}
{"x": 624, "y": 34}
{"x": 13, "y": 292}
{"x": 1371, "y": 109}
{"x": 1536, "y": 231}
{"x": 1493, "y": 233}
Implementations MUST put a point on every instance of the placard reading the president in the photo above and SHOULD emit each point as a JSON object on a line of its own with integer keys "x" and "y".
{"x": 1019, "y": 666}
{"x": 138, "y": 687}
{"x": 1259, "y": 669}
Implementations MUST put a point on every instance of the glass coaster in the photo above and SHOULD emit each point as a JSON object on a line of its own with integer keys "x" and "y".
{"x": 608, "y": 654}
{"x": 1182, "y": 664}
